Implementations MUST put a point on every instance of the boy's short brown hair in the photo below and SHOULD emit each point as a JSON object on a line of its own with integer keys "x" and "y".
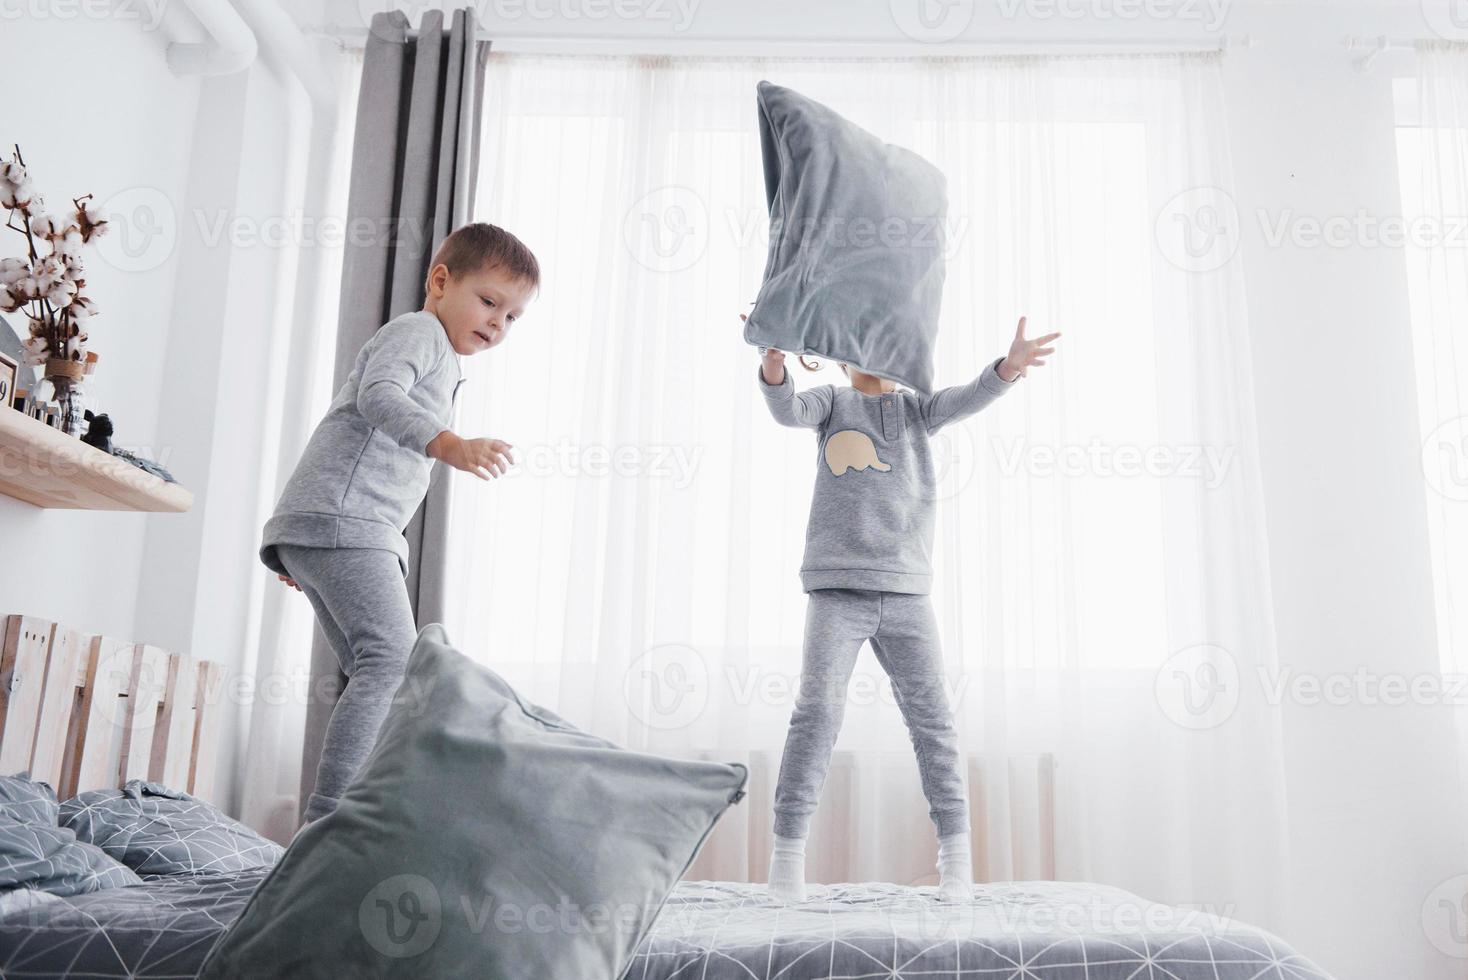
{"x": 482, "y": 246}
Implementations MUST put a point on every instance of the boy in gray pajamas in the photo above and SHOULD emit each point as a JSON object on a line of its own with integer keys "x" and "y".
{"x": 337, "y": 531}
{"x": 868, "y": 574}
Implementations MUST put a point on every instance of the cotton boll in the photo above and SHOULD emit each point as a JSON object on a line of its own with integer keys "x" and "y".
{"x": 82, "y": 310}
{"x": 12, "y": 172}
{"x": 74, "y": 267}
{"x": 44, "y": 225}
{"x": 61, "y": 294}
{"x": 9, "y": 302}
{"x": 36, "y": 351}
{"x": 13, "y": 270}
{"x": 27, "y": 287}
{"x": 22, "y": 195}
{"x": 69, "y": 242}
{"x": 49, "y": 273}
{"x": 92, "y": 221}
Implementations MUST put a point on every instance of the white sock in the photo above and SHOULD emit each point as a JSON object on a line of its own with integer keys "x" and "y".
{"x": 955, "y": 869}
{"x": 787, "y": 869}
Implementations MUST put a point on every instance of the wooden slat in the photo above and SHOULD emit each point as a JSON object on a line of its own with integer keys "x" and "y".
{"x": 22, "y": 680}
{"x": 58, "y": 703}
{"x": 145, "y": 687}
{"x": 205, "y": 756}
{"x": 102, "y": 716}
{"x": 173, "y": 739}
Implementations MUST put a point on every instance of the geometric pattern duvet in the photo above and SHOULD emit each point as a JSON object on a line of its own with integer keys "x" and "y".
{"x": 161, "y": 928}
{"x": 164, "y": 927}
{"x": 1032, "y": 930}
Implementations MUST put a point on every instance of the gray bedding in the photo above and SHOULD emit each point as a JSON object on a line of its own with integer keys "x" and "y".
{"x": 160, "y": 928}
{"x": 723, "y": 931}
{"x": 1011, "y": 931}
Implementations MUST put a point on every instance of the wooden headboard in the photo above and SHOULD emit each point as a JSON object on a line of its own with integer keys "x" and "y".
{"x": 87, "y": 712}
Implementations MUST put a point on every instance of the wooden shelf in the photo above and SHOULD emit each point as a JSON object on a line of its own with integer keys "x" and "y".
{"x": 46, "y": 467}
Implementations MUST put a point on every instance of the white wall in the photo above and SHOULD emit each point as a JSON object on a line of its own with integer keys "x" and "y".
{"x": 185, "y": 336}
{"x": 1373, "y": 799}
{"x": 82, "y": 131}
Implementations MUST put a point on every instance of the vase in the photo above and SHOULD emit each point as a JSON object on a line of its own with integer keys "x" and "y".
{"x": 66, "y": 378}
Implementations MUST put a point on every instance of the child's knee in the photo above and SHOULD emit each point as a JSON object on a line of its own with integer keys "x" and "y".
{"x": 821, "y": 713}
{"x": 381, "y": 657}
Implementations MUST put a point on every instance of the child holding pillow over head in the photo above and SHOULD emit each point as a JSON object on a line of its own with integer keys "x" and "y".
{"x": 867, "y": 571}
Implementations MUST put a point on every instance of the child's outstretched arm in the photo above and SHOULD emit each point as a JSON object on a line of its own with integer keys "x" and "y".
{"x": 961, "y": 401}
{"x": 808, "y": 409}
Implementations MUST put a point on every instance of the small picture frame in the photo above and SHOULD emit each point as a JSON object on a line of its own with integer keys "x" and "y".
{"x": 9, "y": 368}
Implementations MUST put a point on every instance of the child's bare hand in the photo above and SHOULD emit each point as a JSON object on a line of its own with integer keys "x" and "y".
{"x": 772, "y": 362}
{"x": 289, "y": 581}
{"x": 1024, "y": 353}
{"x": 485, "y": 458}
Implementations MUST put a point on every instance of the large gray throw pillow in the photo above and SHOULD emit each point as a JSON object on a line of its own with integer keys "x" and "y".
{"x": 856, "y": 262}
{"x": 484, "y": 837}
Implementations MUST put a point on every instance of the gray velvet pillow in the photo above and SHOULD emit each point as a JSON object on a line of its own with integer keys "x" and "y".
{"x": 856, "y": 262}
{"x": 484, "y": 837}
{"x": 37, "y": 854}
{"x": 160, "y": 831}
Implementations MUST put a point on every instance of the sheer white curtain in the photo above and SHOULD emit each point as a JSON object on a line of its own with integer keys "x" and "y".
{"x": 302, "y": 340}
{"x": 1100, "y": 562}
{"x": 1433, "y": 150}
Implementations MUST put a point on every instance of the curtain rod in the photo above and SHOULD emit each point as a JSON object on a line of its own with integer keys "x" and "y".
{"x": 1376, "y": 46}
{"x": 769, "y": 46}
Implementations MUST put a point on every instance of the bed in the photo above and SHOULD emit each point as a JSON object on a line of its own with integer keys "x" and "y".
{"x": 96, "y": 709}
{"x": 722, "y": 931}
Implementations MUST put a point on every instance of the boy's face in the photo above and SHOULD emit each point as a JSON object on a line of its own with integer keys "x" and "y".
{"x": 477, "y": 308}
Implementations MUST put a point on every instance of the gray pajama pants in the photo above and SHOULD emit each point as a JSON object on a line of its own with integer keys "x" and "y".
{"x": 361, "y": 605}
{"x": 904, "y": 636}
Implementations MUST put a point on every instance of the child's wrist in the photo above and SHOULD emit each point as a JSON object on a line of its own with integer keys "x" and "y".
{"x": 440, "y": 443}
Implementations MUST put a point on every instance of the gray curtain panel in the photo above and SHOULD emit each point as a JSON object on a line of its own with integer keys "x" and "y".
{"x": 415, "y": 162}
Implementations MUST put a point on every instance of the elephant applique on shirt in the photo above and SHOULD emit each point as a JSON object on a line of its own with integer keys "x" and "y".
{"x": 852, "y": 449}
